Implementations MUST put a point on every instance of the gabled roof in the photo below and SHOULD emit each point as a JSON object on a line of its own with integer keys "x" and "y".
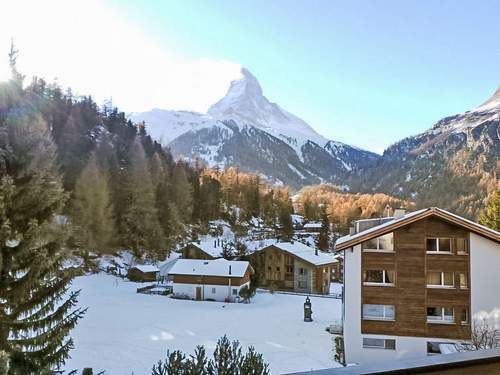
{"x": 211, "y": 246}
{"x": 145, "y": 268}
{"x": 387, "y": 227}
{"x": 217, "y": 267}
{"x": 304, "y": 252}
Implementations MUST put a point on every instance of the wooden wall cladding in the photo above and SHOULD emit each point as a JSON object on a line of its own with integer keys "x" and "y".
{"x": 410, "y": 295}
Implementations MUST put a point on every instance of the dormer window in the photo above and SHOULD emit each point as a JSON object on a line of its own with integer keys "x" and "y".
{"x": 383, "y": 243}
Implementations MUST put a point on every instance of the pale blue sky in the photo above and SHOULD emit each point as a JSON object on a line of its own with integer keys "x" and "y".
{"x": 363, "y": 72}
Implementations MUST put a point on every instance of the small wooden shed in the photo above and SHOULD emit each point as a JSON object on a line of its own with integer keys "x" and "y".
{"x": 143, "y": 272}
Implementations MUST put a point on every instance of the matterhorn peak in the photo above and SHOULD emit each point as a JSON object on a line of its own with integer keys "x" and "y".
{"x": 493, "y": 103}
{"x": 242, "y": 92}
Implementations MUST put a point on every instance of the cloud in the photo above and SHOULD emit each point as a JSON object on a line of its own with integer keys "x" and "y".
{"x": 89, "y": 47}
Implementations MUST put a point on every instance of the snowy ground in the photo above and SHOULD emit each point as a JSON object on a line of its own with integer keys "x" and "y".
{"x": 126, "y": 333}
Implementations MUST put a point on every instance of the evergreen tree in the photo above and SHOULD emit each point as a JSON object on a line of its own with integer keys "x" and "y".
{"x": 92, "y": 211}
{"x": 36, "y": 308}
{"x": 286, "y": 223}
{"x": 491, "y": 216}
{"x": 141, "y": 230}
{"x": 324, "y": 233}
{"x": 182, "y": 193}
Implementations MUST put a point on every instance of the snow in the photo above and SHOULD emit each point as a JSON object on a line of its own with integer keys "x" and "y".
{"x": 146, "y": 268}
{"x": 296, "y": 171}
{"x": 167, "y": 265}
{"x": 125, "y": 332}
{"x": 306, "y": 253}
{"x": 492, "y": 103}
{"x": 217, "y": 267}
{"x": 313, "y": 225}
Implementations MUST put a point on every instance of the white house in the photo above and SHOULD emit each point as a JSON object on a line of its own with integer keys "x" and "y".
{"x": 218, "y": 280}
{"x": 415, "y": 285}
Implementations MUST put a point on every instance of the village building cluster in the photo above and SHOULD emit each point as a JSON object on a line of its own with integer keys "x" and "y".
{"x": 413, "y": 284}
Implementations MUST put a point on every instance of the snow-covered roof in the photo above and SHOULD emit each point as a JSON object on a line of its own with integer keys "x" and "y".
{"x": 297, "y": 219}
{"x": 146, "y": 268}
{"x": 216, "y": 267}
{"x": 306, "y": 253}
{"x": 212, "y": 246}
{"x": 379, "y": 230}
{"x": 313, "y": 224}
{"x": 167, "y": 265}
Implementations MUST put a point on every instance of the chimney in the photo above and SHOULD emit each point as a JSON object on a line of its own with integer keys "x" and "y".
{"x": 230, "y": 270}
{"x": 387, "y": 211}
{"x": 399, "y": 212}
{"x": 352, "y": 230}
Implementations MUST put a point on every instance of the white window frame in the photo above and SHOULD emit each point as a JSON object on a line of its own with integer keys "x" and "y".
{"x": 235, "y": 292}
{"x": 437, "y": 245}
{"x": 378, "y": 250}
{"x": 383, "y": 283}
{"x": 466, "y": 280}
{"x": 384, "y": 311}
{"x": 442, "y": 285}
{"x": 442, "y": 320}
{"x": 214, "y": 290}
{"x": 378, "y": 346}
{"x": 466, "y": 252}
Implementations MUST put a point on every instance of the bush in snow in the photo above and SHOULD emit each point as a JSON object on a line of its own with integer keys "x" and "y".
{"x": 247, "y": 293}
{"x": 228, "y": 359}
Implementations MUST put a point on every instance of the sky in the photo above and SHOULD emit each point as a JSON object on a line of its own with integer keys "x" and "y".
{"x": 367, "y": 73}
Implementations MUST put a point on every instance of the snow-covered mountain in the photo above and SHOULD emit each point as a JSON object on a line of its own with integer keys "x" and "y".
{"x": 245, "y": 129}
{"x": 454, "y": 164}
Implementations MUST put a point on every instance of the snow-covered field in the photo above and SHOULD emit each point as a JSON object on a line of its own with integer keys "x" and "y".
{"x": 126, "y": 333}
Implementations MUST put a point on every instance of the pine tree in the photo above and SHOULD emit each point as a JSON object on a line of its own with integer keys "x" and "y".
{"x": 286, "y": 223}
{"x": 491, "y": 216}
{"x": 37, "y": 310}
{"x": 324, "y": 233}
{"x": 182, "y": 193}
{"x": 140, "y": 227}
{"x": 92, "y": 212}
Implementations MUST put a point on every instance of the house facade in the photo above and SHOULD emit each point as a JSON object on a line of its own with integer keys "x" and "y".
{"x": 217, "y": 280}
{"x": 293, "y": 266}
{"x": 415, "y": 284}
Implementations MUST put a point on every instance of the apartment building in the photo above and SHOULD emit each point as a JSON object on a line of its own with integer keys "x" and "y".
{"x": 415, "y": 284}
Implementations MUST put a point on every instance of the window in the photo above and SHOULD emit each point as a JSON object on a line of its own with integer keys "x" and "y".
{"x": 378, "y": 312}
{"x": 440, "y": 315}
{"x": 464, "y": 282}
{"x": 438, "y": 245}
{"x": 382, "y": 243}
{"x": 235, "y": 292}
{"x": 461, "y": 246}
{"x": 277, "y": 269}
{"x": 440, "y": 279}
{"x": 213, "y": 290}
{"x": 289, "y": 269}
{"x": 379, "y": 277}
{"x": 302, "y": 284}
{"x": 379, "y": 343}
{"x": 464, "y": 316}
{"x": 302, "y": 271}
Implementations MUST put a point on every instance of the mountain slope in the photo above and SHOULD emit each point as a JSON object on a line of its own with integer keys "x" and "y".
{"x": 455, "y": 164}
{"x": 245, "y": 129}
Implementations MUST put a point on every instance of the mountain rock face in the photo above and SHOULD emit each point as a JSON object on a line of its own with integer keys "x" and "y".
{"x": 455, "y": 164}
{"x": 245, "y": 129}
